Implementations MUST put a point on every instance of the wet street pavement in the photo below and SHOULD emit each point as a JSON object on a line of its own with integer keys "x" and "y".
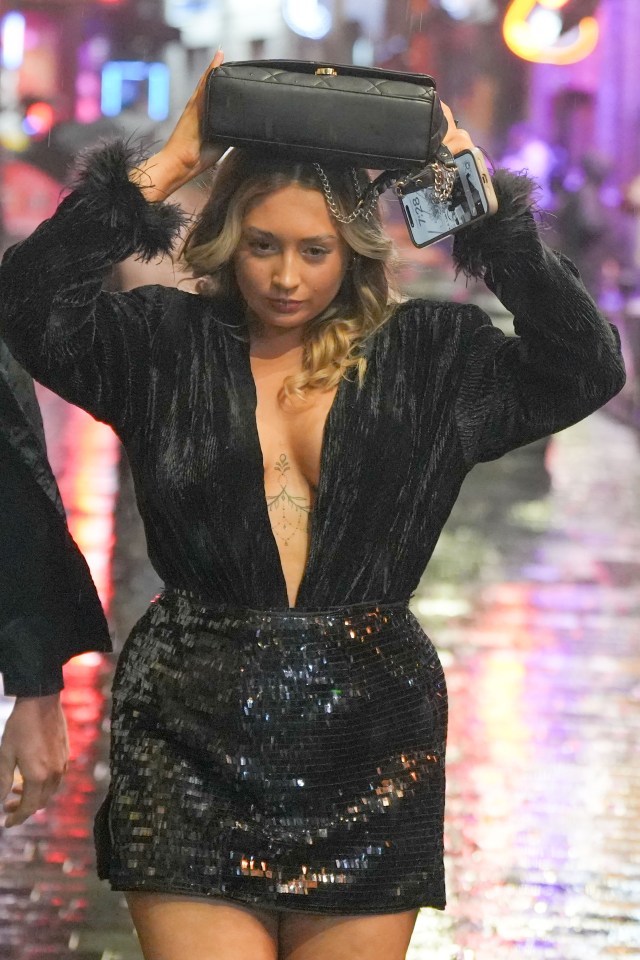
{"x": 533, "y": 600}
{"x": 536, "y": 612}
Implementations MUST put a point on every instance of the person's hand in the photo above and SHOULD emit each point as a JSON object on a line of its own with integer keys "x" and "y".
{"x": 184, "y": 155}
{"x": 185, "y": 144}
{"x": 456, "y": 139}
{"x": 35, "y": 744}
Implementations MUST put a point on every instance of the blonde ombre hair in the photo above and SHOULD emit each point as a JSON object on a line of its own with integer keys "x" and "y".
{"x": 333, "y": 341}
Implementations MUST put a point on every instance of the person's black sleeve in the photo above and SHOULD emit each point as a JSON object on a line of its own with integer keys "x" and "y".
{"x": 565, "y": 360}
{"x": 88, "y": 346}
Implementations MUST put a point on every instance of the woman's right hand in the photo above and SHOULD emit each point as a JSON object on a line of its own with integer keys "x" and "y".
{"x": 185, "y": 155}
{"x": 185, "y": 146}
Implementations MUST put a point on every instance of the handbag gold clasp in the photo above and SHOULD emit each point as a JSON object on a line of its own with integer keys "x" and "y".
{"x": 326, "y": 72}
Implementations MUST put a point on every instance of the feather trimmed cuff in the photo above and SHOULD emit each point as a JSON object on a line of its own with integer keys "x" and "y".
{"x": 501, "y": 243}
{"x": 113, "y": 201}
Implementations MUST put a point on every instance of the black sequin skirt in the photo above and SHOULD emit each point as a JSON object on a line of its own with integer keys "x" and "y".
{"x": 281, "y": 759}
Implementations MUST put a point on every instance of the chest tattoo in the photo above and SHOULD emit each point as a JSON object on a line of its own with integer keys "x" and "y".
{"x": 289, "y": 514}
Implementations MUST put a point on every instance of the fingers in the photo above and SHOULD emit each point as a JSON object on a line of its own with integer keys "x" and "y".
{"x": 31, "y": 796}
{"x": 448, "y": 114}
{"x": 34, "y": 751}
{"x": 198, "y": 93}
{"x": 7, "y": 766}
{"x": 197, "y": 96}
{"x": 455, "y": 138}
{"x": 217, "y": 61}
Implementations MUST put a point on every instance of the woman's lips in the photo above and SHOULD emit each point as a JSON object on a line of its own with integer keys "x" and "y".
{"x": 285, "y": 306}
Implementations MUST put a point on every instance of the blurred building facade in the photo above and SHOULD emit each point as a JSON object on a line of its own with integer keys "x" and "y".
{"x": 79, "y": 60}
{"x": 91, "y": 63}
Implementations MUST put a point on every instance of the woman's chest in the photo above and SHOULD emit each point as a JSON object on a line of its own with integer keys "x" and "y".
{"x": 216, "y": 433}
{"x": 290, "y": 435}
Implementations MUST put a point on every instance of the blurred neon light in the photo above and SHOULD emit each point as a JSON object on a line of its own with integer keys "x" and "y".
{"x": 39, "y": 119}
{"x": 458, "y": 9}
{"x": 88, "y": 487}
{"x": 158, "y": 91}
{"x": 117, "y": 73}
{"x": 307, "y": 18}
{"x": 526, "y": 38}
{"x": 13, "y": 30}
{"x": 546, "y": 26}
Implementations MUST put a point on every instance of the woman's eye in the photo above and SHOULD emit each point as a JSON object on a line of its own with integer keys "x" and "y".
{"x": 261, "y": 246}
{"x": 316, "y": 252}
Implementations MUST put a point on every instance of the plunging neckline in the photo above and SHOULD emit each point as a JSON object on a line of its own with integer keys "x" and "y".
{"x": 320, "y": 490}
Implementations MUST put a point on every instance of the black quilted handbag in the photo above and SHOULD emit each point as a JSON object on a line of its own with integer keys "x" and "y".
{"x": 362, "y": 117}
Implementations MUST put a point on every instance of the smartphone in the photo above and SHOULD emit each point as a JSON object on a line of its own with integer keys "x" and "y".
{"x": 429, "y": 220}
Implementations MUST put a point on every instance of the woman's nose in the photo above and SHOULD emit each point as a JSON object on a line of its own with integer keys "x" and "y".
{"x": 286, "y": 274}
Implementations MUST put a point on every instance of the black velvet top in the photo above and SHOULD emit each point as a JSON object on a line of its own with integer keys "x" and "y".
{"x": 444, "y": 389}
{"x": 49, "y": 607}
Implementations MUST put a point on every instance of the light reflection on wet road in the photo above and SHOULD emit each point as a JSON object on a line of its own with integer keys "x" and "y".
{"x": 543, "y": 661}
{"x": 533, "y": 599}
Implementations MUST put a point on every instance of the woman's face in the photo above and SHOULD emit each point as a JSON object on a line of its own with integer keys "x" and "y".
{"x": 290, "y": 262}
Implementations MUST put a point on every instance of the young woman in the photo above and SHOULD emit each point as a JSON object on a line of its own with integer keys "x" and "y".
{"x": 297, "y": 439}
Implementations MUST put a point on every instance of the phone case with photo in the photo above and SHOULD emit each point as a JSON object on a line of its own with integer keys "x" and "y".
{"x": 429, "y": 220}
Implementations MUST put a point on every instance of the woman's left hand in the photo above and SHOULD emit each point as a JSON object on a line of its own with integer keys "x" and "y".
{"x": 456, "y": 139}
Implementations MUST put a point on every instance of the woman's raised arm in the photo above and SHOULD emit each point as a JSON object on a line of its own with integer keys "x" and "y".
{"x": 89, "y": 346}
{"x": 185, "y": 155}
{"x": 564, "y": 361}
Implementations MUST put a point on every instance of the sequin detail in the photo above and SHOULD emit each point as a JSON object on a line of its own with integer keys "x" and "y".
{"x": 284, "y": 759}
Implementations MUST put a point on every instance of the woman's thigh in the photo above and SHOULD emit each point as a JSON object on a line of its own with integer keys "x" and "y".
{"x": 174, "y": 927}
{"x": 385, "y": 936}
